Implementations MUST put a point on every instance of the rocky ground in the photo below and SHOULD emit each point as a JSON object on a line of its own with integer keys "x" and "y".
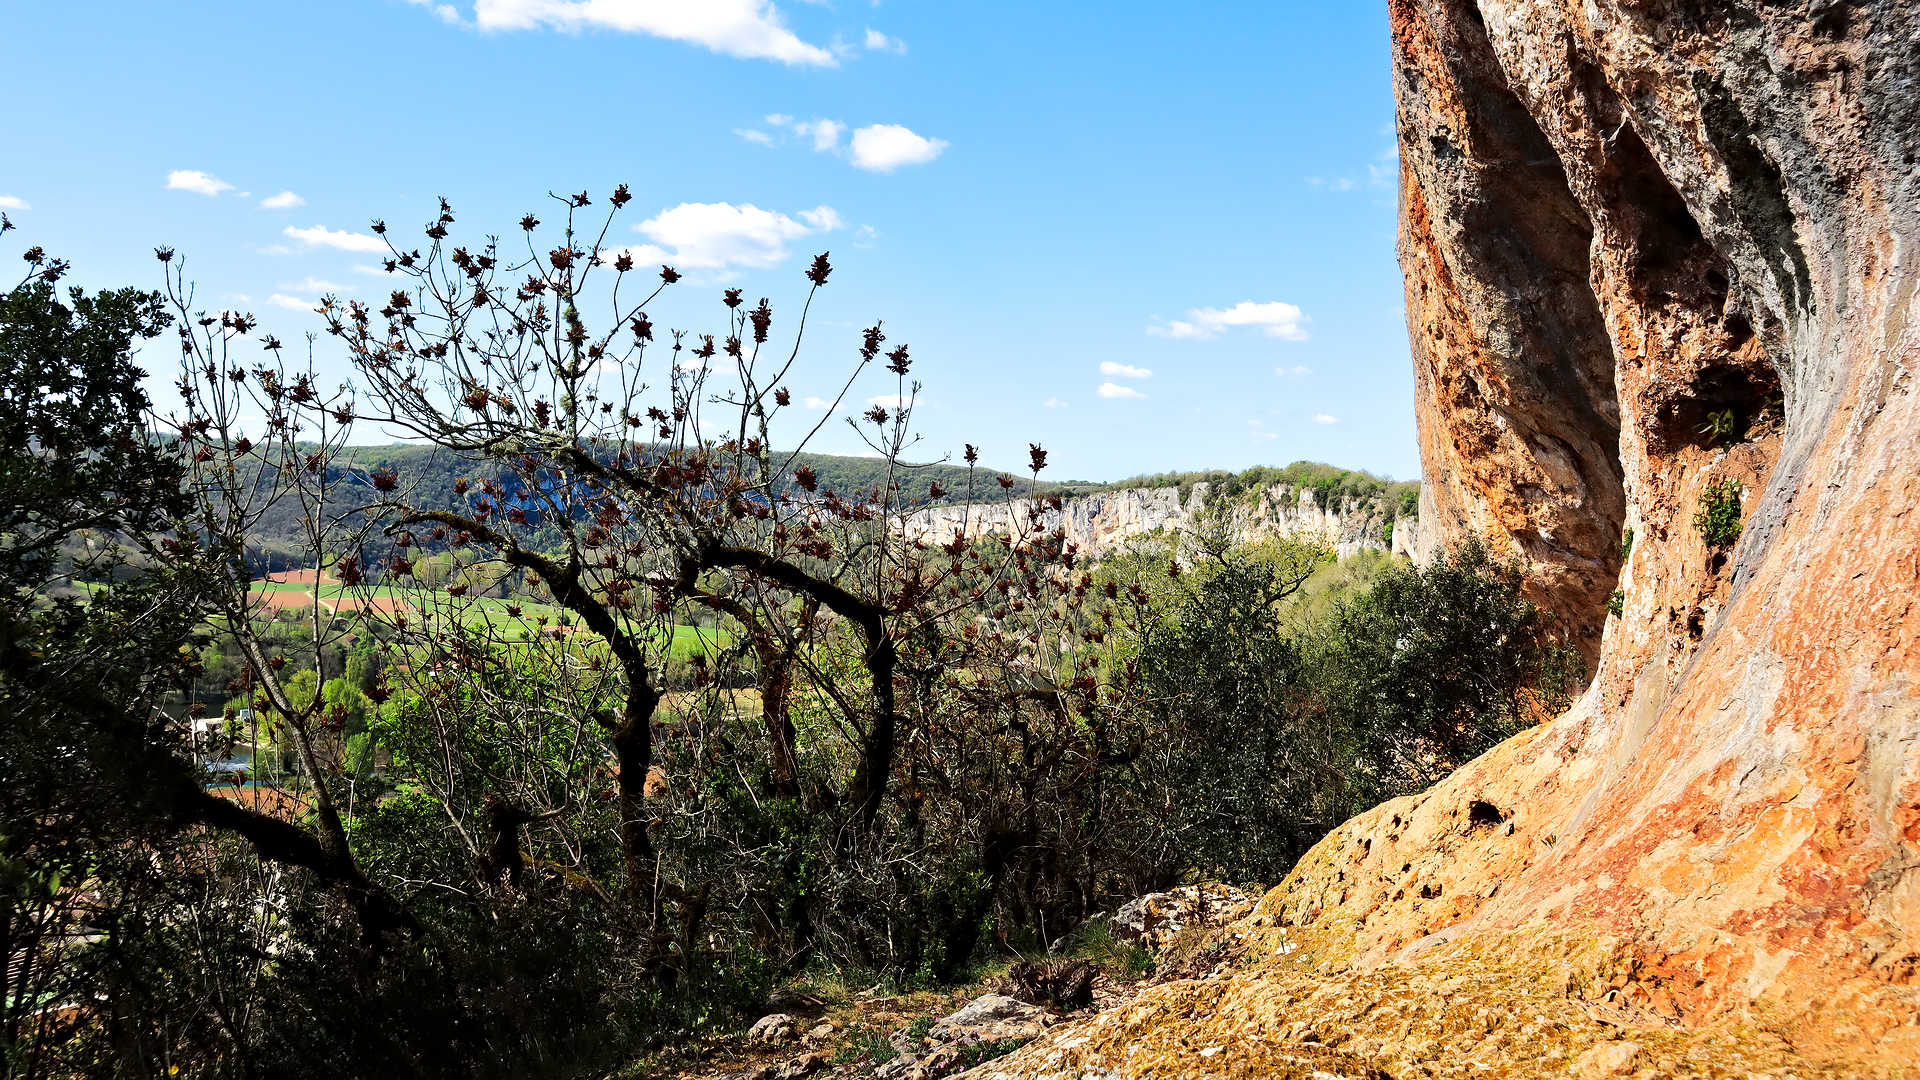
{"x": 823, "y": 1031}
{"x": 1254, "y": 1000}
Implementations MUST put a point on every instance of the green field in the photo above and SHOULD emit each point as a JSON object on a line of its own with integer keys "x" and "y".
{"x": 494, "y": 613}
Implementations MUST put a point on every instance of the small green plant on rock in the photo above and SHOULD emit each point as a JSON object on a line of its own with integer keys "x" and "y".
{"x": 1626, "y": 544}
{"x": 1617, "y": 602}
{"x": 865, "y": 1045}
{"x": 1720, "y": 427}
{"x": 1718, "y": 518}
{"x": 980, "y": 1053}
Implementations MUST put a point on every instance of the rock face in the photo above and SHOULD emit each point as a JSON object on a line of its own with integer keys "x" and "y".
{"x": 1103, "y": 522}
{"x": 1653, "y": 249}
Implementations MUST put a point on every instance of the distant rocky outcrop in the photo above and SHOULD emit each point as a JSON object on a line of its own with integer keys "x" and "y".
{"x": 1101, "y": 522}
{"x": 1659, "y": 255}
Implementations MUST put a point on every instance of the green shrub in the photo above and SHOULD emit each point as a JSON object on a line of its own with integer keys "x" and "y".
{"x": 1718, "y": 517}
{"x": 1617, "y": 602}
{"x": 1276, "y": 728}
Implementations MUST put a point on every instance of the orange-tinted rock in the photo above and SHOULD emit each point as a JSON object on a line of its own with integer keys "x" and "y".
{"x": 1651, "y": 246}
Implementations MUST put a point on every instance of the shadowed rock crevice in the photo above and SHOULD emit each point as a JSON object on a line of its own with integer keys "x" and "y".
{"x": 1511, "y": 351}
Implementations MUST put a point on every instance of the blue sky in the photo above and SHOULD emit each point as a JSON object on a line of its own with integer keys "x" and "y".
{"x": 1022, "y": 192}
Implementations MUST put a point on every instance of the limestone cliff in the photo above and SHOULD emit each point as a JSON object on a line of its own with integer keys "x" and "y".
{"x": 1099, "y": 523}
{"x": 1650, "y": 246}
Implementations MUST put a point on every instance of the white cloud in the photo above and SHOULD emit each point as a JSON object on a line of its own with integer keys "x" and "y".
{"x": 1115, "y": 390}
{"x": 886, "y": 147}
{"x": 1053, "y": 403}
{"x": 1295, "y": 371}
{"x": 363, "y": 268}
{"x": 315, "y": 286}
{"x": 446, "y": 13}
{"x": 893, "y": 401}
{"x": 818, "y": 404}
{"x": 1323, "y": 418}
{"x": 276, "y": 249}
{"x": 754, "y": 135}
{"x": 751, "y": 29}
{"x": 1124, "y": 371}
{"x": 824, "y": 133}
{"x": 882, "y": 43}
{"x": 1345, "y": 183}
{"x": 1274, "y": 318}
{"x": 864, "y": 236}
{"x": 1259, "y": 430}
{"x": 286, "y": 200}
{"x": 196, "y": 181}
{"x": 13, "y": 202}
{"x": 321, "y": 236}
{"x": 822, "y": 218}
{"x": 292, "y": 303}
{"x": 718, "y": 236}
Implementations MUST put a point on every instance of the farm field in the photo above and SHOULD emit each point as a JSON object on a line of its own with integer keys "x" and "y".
{"x": 510, "y": 619}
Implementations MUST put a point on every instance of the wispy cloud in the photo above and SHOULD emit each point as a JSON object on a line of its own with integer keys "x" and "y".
{"x": 1275, "y": 319}
{"x": 817, "y": 404}
{"x": 1115, "y": 390}
{"x": 321, "y": 236}
{"x": 1323, "y": 418}
{"x": 886, "y": 147}
{"x": 197, "y": 182}
{"x": 880, "y": 42}
{"x": 754, "y": 135}
{"x": 1053, "y": 403}
{"x": 286, "y": 200}
{"x": 750, "y": 29}
{"x": 824, "y": 133}
{"x": 1258, "y": 430}
{"x": 1125, "y": 371}
{"x": 13, "y": 202}
{"x": 315, "y": 286}
{"x": 446, "y": 13}
{"x": 292, "y": 303}
{"x": 1293, "y": 371}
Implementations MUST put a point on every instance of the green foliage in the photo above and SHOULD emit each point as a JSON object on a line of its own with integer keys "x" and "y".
{"x": 1279, "y": 732}
{"x": 1718, "y": 516}
{"x": 1720, "y": 428}
{"x": 1616, "y": 602}
{"x": 1122, "y": 960}
{"x": 1330, "y": 484}
{"x": 972, "y": 1054}
{"x": 1626, "y": 544}
{"x": 865, "y": 1045}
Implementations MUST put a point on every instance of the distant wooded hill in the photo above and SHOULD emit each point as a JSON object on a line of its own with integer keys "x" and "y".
{"x": 427, "y": 475}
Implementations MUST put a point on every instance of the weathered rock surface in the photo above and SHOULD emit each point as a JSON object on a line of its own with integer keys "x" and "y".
{"x": 1649, "y": 245}
{"x": 1157, "y": 918}
{"x": 1100, "y": 523}
{"x": 773, "y": 1029}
